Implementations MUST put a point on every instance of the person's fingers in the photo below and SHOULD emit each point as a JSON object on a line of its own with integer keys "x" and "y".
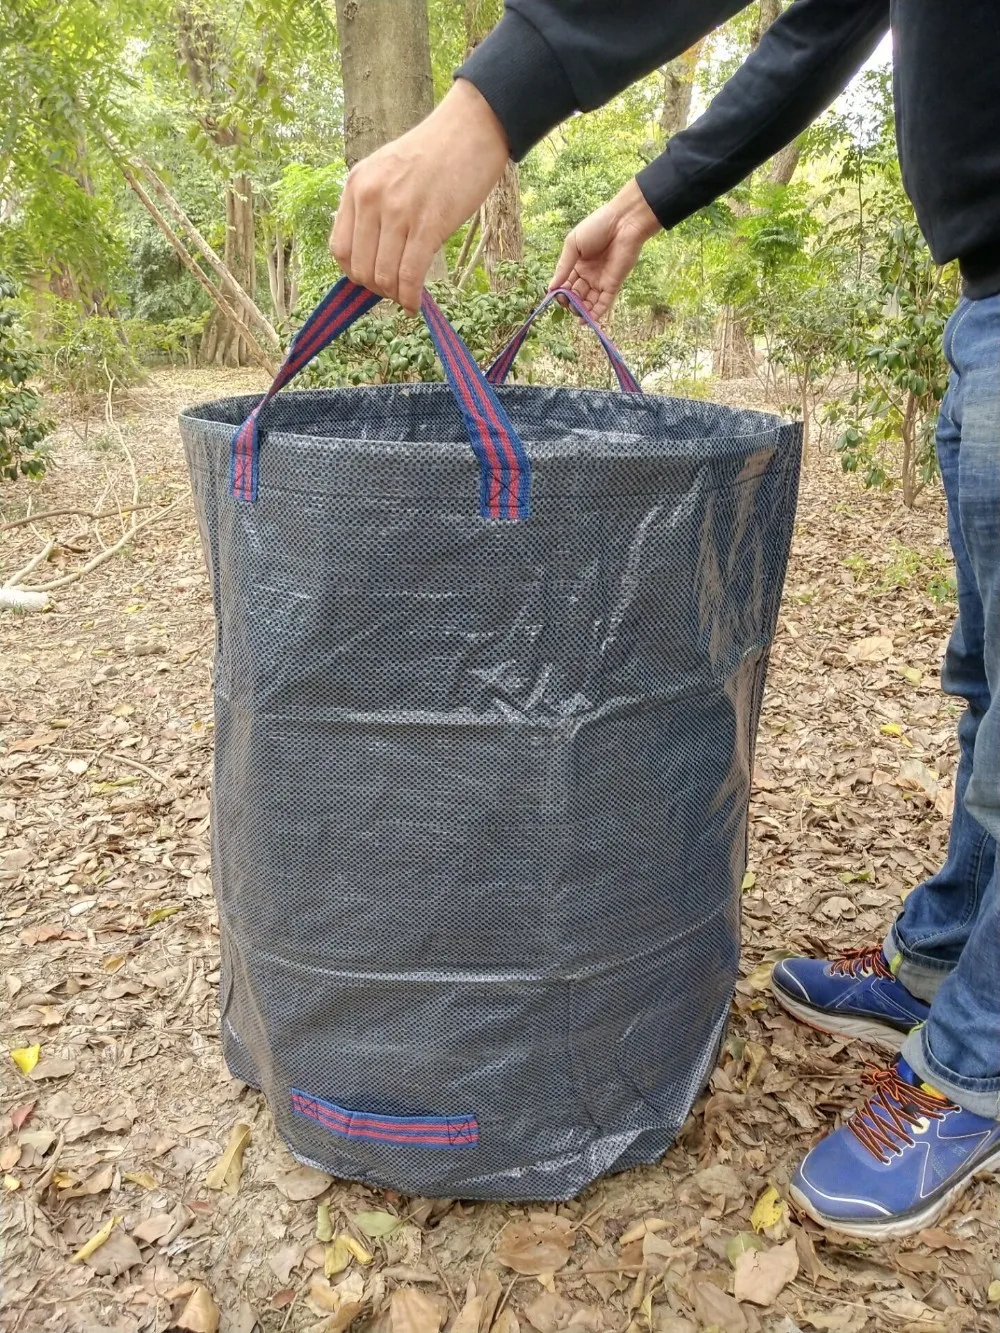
{"x": 567, "y": 263}
{"x": 342, "y": 232}
{"x": 385, "y": 277}
{"x": 364, "y": 247}
{"x": 414, "y": 265}
{"x": 584, "y": 291}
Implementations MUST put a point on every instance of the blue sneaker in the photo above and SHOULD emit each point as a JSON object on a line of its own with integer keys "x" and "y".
{"x": 854, "y": 995}
{"x": 898, "y": 1162}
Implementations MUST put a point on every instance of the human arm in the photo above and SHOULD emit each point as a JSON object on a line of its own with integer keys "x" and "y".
{"x": 803, "y": 62}
{"x": 544, "y": 60}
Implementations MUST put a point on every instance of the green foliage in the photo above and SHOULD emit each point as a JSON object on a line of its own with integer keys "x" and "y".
{"x": 23, "y": 427}
{"x": 85, "y": 355}
{"x": 388, "y": 347}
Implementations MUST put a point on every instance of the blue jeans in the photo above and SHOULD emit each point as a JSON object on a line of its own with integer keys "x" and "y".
{"x": 947, "y": 936}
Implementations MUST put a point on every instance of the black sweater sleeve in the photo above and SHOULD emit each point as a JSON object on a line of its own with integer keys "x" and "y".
{"x": 804, "y": 61}
{"x": 549, "y": 58}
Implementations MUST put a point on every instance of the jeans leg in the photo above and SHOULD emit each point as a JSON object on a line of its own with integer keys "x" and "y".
{"x": 929, "y": 935}
{"x": 958, "y": 1048}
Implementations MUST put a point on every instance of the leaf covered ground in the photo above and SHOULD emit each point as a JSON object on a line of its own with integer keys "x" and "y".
{"x": 144, "y": 1188}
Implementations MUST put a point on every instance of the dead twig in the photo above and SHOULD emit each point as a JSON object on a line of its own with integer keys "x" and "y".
{"x": 106, "y": 555}
{"x": 68, "y": 513}
{"x": 32, "y": 564}
{"x": 141, "y": 768}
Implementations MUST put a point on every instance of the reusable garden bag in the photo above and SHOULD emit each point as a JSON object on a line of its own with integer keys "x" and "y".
{"x": 489, "y": 668}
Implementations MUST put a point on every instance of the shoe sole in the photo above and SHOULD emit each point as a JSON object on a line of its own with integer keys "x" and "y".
{"x": 842, "y": 1025}
{"x": 900, "y": 1226}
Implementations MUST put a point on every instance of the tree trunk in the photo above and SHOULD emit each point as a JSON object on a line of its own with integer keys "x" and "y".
{"x": 504, "y": 239}
{"x": 733, "y": 358}
{"x": 385, "y": 62}
{"x": 783, "y": 163}
{"x": 678, "y": 90}
{"x": 223, "y": 343}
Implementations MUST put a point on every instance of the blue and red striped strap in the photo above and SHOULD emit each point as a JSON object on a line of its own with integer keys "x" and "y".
{"x": 504, "y": 467}
{"x": 401, "y": 1131}
{"x": 501, "y": 367}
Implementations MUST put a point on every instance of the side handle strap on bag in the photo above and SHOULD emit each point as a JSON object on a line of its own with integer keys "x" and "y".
{"x": 501, "y": 367}
{"x": 504, "y": 467}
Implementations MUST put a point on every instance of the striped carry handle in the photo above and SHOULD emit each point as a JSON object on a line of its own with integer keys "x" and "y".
{"x": 504, "y": 468}
{"x": 501, "y": 367}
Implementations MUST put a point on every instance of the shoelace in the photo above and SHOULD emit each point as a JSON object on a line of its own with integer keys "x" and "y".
{"x": 882, "y": 1123}
{"x": 853, "y": 962}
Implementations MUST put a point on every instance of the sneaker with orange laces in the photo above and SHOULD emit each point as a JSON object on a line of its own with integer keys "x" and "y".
{"x": 855, "y": 995}
{"x": 901, "y": 1159}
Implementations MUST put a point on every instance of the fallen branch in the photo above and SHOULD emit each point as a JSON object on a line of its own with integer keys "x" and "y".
{"x": 106, "y": 555}
{"x": 32, "y": 564}
{"x": 142, "y": 768}
{"x": 68, "y": 513}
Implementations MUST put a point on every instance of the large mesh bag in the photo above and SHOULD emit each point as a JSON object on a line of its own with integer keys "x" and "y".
{"x": 488, "y": 675}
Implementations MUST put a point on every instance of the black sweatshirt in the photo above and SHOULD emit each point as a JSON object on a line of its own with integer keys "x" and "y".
{"x": 549, "y": 58}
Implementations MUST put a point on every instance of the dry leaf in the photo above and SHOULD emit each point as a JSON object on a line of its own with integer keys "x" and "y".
{"x": 377, "y": 1225}
{"x": 324, "y": 1227}
{"x": 225, "y": 1175}
{"x": 649, "y": 1226}
{"x": 506, "y": 1322}
{"x": 19, "y": 1115}
{"x": 411, "y": 1311}
{"x": 10, "y": 1155}
{"x": 153, "y": 1228}
{"x": 841, "y": 1319}
{"x": 117, "y": 1255}
{"x": 936, "y": 1238}
{"x": 142, "y": 1178}
{"x": 761, "y": 1275}
{"x": 344, "y": 1302}
{"x": 95, "y": 1242}
{"x": 993, "y": 1293}
{"x": 36, "y": 742}
{"x": 200, "y": 1314}
{"x": 876, "y": 648}
{"x": 914, "y": 775}
{"x": 53, "y": 1068}
{"x": 741, "y": 1243}
{"x": 11, "y": 1183}
{"x": 768, "y": 1211}
{"x": 283, "y": 1260}
{"x": 549, "y": 1313}
{"x": 467, "y": 1319}
{"x": 713, "y": 1306}
{"x": 26, "y": 1057}
{"x": 542, "y": 1244}
{"x": 303, "y": 1183}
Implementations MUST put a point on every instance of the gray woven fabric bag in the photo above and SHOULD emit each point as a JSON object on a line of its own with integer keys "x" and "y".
{"x": 489, "y": 671}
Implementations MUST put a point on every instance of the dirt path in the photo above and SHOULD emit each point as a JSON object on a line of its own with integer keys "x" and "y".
{"x": 109, "y": 953}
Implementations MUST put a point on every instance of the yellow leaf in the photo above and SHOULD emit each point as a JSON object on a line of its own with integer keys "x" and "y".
{"x": 142, "y": 1178}
{"x": 114, "y": 963}
{"x": 768, "y": 1210}
{"x": 225, "y": 1175}
{"x": 358, "y": 1250}
{"x": 161, "y": 914}
{"x": 324, "y": 1227}
{"x": 749, "y": 880}
{"x": 26, "y": 1057}
{"x": 11, "y": 1183}
{"x": 337, "y": 1257}
{"x": 993, "y": 1294}
{"x": 96, "y": 1241}
{"x": 376, "y": 1225}
{"x": 102, "y": 788}
{"x": 913, "y": 675}
{"x": 891, "y": 729}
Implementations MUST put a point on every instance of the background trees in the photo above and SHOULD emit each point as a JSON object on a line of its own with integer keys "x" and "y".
{"x": 168, "y": 169}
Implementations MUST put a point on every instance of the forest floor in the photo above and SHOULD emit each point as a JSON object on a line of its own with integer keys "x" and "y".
{"x": 109, "y": 953}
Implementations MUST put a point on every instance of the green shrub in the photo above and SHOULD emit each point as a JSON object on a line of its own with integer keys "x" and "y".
{"x": 85, "y": 355}
{"x": 23, "y": 428}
